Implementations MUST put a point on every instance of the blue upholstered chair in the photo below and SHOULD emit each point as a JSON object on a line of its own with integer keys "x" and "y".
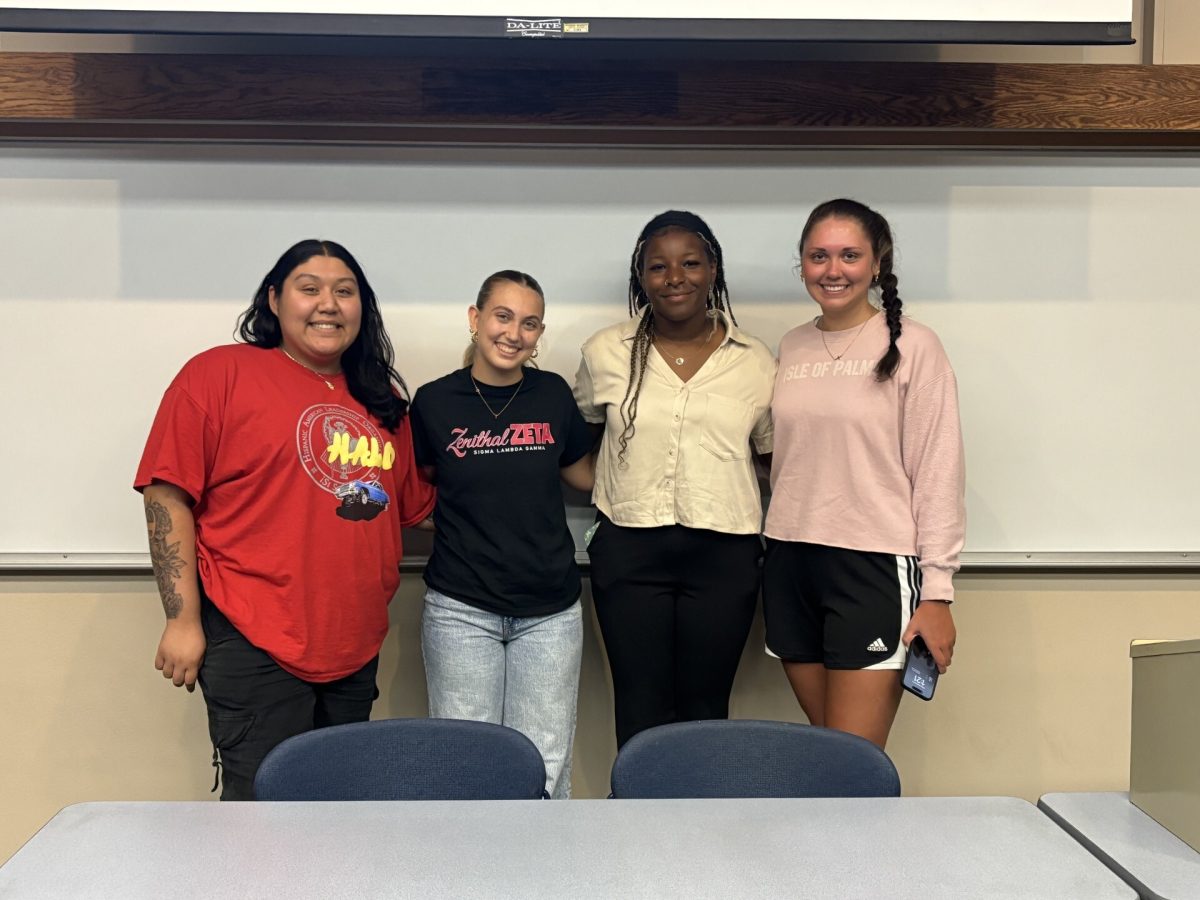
{"x": 750, "y": 758}
{"x": 404, "y": 759}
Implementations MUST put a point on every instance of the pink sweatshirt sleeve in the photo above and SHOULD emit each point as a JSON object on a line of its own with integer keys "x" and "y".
{"x": 933, "y": 458}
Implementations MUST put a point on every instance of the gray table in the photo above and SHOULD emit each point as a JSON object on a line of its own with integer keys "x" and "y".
{"x": 1149, "y": 858}
{"x": 897, "y": 848}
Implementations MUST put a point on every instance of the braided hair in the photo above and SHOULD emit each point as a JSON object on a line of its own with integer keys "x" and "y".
{"x": 718, "y": 299}
{"x": 368, "y": 363}
{"x": 877, "y": 229}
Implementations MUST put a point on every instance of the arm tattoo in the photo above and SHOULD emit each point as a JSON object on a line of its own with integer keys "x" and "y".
{"x": 164, "y": 557}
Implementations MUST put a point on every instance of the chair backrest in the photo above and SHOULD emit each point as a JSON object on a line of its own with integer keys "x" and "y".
{"x": 751, "y": 758}
{"x": 404, "y": 759}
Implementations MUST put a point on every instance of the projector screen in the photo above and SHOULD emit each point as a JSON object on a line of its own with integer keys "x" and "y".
{"x": 937, "y": 21}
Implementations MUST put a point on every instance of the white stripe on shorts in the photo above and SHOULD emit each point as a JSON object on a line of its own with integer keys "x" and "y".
{"x": 908, "y": 576}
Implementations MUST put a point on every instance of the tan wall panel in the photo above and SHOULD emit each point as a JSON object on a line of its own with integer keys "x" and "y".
{"x": 1180, "y": 34}
{"x": 1037, "y": 701}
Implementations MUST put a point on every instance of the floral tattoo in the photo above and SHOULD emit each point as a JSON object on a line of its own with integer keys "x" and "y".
{"x": 164, "y": 557}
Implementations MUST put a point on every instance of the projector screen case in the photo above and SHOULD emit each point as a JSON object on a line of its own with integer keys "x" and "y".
{"x": 912, "y": 21}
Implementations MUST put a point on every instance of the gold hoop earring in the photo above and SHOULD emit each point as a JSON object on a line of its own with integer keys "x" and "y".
{"x": 534, "y": 354}
{"x": 474, "y": 337}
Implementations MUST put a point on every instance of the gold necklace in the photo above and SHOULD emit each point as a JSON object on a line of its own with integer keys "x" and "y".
{"x": 848, "y": 346}
{"x": 328, "y": 383}
{"x": 479, "y": 393}
{"x": 680, "y": 360}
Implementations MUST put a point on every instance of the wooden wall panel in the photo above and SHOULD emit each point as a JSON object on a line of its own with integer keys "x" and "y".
{"x": 380, "y": 100}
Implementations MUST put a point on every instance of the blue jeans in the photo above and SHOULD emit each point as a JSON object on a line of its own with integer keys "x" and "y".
{"x": 522, "y": 672}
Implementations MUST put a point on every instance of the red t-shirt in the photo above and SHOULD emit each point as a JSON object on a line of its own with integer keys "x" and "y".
{"x": 299, "y": 497}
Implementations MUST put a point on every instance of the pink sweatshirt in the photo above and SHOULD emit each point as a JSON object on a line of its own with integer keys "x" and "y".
{"x": 867, "y": 465}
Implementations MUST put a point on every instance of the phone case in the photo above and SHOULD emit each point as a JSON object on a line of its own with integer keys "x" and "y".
{"x": 920, "y": 671}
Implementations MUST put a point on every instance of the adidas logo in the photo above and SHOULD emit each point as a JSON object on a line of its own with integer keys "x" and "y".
{"x": 877, "y": 646}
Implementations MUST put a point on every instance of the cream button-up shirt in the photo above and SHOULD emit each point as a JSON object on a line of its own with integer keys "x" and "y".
{"x": 688, "y": 461}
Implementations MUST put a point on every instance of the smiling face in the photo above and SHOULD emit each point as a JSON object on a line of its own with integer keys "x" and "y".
{"x": 319, "y": 311}
{"x": 838, "y": 266}
{"x": 508, "y": 329}
{"x": 677, "y": 275}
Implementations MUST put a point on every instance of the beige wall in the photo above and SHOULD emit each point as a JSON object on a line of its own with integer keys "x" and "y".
{"x": 1038, "y": 699}
{"x": 1177, "y": 31}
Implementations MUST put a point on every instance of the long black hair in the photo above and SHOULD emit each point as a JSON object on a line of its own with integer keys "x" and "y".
{"x": 876, "y": 228}
{"x": 367, "y": 362}
{"x": 718, "y": 299}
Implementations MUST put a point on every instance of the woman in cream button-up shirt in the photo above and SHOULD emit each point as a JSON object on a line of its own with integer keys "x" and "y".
{"x": 684, "y": 398}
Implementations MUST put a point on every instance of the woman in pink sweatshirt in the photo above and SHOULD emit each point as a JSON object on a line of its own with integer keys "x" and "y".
{"x": 866, "y": 518}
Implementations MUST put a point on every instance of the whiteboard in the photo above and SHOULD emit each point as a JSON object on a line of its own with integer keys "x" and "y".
{"x": 1062, "y": 286}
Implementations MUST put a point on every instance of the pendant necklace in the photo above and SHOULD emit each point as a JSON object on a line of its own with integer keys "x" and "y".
{"x": 680, "y": 360}
{"x": 328, "y": 383}
{"x": 848, "y": 346}
{"x": 479, "y": 393}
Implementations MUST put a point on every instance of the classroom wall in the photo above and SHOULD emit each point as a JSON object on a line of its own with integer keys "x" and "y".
{"x": 1037, "y": 699}
{"x": 1176, "y": 37}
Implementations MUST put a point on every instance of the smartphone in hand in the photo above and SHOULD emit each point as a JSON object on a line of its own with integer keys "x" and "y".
{"x": 920, "y": 671}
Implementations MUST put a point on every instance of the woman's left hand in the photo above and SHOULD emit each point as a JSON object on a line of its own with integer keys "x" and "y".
{"x": 934, "y": 623}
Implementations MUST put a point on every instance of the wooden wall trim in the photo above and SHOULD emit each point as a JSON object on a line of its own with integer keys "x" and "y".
{"x": 724, "y": 103}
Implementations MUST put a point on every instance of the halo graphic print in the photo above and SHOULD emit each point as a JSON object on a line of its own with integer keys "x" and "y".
{"x": 344, "y": 452}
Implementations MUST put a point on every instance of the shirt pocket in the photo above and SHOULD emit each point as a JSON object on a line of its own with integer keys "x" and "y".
{"x": 725, "y": 429}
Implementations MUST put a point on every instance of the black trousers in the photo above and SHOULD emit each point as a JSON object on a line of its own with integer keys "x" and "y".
{"x": 675, "y": 605}
{"x": 253, "y": 704}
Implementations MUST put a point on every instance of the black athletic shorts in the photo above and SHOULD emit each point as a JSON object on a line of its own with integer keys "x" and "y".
{"x": 844, "y": 608}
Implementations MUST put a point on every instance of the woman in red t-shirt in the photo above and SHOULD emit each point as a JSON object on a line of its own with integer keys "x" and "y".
{"x": 276, "y": 479}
